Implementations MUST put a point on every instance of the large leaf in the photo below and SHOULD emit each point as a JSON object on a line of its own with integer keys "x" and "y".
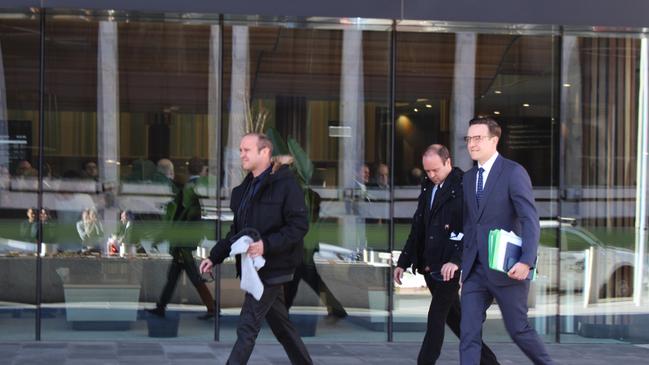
{"x": 279, "y": 146}
{"x": 303, "y": 164}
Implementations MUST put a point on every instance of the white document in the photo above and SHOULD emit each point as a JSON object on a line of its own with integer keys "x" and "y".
{"x": 250, "y": 281}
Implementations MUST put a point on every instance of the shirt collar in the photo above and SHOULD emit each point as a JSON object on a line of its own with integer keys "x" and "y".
{"x": 490, "y": 162}
{"x": 262, "y": 175}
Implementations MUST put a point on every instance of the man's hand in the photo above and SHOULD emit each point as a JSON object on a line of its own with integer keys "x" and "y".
{"x": 256, "y": 249}
{"x": 519, "y": 271}
{"x": 398, "y": 274}
{"x": 448, "y": 271}
{"x": 206, "y": 265}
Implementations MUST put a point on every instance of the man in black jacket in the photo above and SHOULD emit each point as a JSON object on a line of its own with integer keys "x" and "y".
{"x": 434, "y": 249}
{"x": 271, "y": 201}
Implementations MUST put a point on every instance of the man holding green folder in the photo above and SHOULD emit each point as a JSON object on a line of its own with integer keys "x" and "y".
{"x": 497, "y": 196}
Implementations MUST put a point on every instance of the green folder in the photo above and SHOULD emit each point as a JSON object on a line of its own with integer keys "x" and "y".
{"x": 505, "y": 250}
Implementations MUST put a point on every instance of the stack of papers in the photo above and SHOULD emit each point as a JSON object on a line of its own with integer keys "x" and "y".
{"x": 505, "y": 250}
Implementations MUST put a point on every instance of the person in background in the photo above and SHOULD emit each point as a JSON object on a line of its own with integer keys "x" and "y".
{"x": 182, "y": 211}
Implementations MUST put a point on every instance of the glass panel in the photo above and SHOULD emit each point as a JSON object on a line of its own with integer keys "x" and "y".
{"x": 19, "y": 117}
{"x": 445, "y": 77}
{"x": 128, "y": 138}
{"x": 322, "y": 89}
{"x": 601, "y": 248}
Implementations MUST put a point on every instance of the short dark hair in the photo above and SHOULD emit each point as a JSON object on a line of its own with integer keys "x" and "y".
{"x": 262, "y": 141}
{"x": 494, "y": 127}
{"x": 195, "y": 166}
{"x": 439, "y": 150}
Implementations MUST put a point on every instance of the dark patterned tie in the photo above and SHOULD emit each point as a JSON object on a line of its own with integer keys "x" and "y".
{"x": 479, "y": 191}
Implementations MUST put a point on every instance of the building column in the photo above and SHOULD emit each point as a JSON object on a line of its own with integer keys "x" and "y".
{"x": 463, "y": 102}
{"x": 213, "y": 105}
{"x": 641, "y": 184}
{"x": 352, "y": 142}
{"x": 239, "y": 94}
{"x": 4, "y": 123}
{"x": 108, "y": 138}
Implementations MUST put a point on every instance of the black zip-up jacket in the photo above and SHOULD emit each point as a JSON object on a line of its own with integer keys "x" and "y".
{"x": 278, "y": 211}
{"x": 429, "y": 244}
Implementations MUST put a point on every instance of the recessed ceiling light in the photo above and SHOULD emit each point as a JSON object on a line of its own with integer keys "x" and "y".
{"x": 496, "y": 112}
{"x": 526, "y": 105}
{"x": 428, "y": 106}
{"x": 498, "y": 92}
{"x": 416, "y": 110}
{"x": 566, "y": 85}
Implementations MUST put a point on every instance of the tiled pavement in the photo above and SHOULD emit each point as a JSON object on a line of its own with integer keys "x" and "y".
{"x": 189, "y": 353}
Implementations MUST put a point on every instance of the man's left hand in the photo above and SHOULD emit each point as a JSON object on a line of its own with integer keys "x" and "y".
{"x": 256, "y": 249}
{"x": 519, "y": 271}
{"x": 448, "y": 271}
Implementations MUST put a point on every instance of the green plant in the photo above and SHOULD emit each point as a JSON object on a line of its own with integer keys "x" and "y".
{"x": 302, "y": 166}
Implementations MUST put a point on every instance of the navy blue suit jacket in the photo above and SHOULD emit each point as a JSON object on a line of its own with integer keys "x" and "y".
{"x": 507, "y": 203}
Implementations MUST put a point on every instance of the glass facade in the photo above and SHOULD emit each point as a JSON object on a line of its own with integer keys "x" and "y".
{"x": 119, "y": 151}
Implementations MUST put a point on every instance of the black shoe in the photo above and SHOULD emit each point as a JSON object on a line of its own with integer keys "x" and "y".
{"x": 206, "y": 316}
{"x": 157, "y": 311}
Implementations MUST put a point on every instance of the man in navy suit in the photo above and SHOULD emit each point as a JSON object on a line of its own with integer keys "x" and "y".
{"x": 497, "y": 195}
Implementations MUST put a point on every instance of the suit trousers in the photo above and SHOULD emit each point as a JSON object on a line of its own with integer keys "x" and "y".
{"x": 271, "y": 307}
{"x": 182, "y": 259}
{"x": 444, "y": 308}
{"x": 477, "y": 295}
{"x": 309, "y": 274}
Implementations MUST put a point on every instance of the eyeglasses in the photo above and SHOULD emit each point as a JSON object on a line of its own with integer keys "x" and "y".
{"x": 476, "y": 139}
{"x": 207, "y": 276}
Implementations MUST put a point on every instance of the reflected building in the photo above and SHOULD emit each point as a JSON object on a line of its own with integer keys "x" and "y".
{"x": 91, "y": 99}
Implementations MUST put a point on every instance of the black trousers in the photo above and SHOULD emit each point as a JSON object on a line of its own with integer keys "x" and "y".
{"x": 309, "y": 274}
{"x": 271, "y": 307}
{"x": 182, "y": 259}
{"x": 445, "y": 309}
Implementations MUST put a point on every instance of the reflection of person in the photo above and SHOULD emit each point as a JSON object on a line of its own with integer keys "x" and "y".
{"x": 273, "y": 204}
{"x": 184, "y": 208}
{"x": 90, "y": 229}
{"x": 430, "y": 250}
{"x": 382, "y": 180}
{"x": 307, "y": 270}
{"x": 125, "y": 229}
{"x": 90, "y": 170}
{"x": 415, "y": 176}
{"x": 123, "y": 233}
{"x": 497, "y": 195}
{"x": 29, "y": 228}
{"x": 25, "y": 169}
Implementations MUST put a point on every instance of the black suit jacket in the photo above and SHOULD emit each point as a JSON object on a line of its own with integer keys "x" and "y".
{"x": 429, "y": 244}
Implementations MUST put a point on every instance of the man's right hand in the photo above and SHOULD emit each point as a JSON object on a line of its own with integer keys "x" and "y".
{"x": 398, "y": 274}
{"x": 206, "y": 265}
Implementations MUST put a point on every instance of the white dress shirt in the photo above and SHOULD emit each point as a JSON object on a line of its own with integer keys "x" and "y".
{"x": 487, "y": 167}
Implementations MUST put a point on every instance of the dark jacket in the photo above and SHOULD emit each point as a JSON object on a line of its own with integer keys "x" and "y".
{"x": 429, "y": 242}
{"x": 278, "y": 211}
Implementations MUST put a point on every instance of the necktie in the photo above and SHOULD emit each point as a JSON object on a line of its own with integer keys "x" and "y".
{"x": 479, "y": 191}
{"x": 432, "y": 197}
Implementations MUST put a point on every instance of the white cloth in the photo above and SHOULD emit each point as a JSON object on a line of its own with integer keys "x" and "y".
{"x": 250, "y": 281}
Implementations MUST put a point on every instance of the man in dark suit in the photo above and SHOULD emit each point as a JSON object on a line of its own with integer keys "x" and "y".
{"x": 435, "y": 251}
{"x": 497, "y": 195}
